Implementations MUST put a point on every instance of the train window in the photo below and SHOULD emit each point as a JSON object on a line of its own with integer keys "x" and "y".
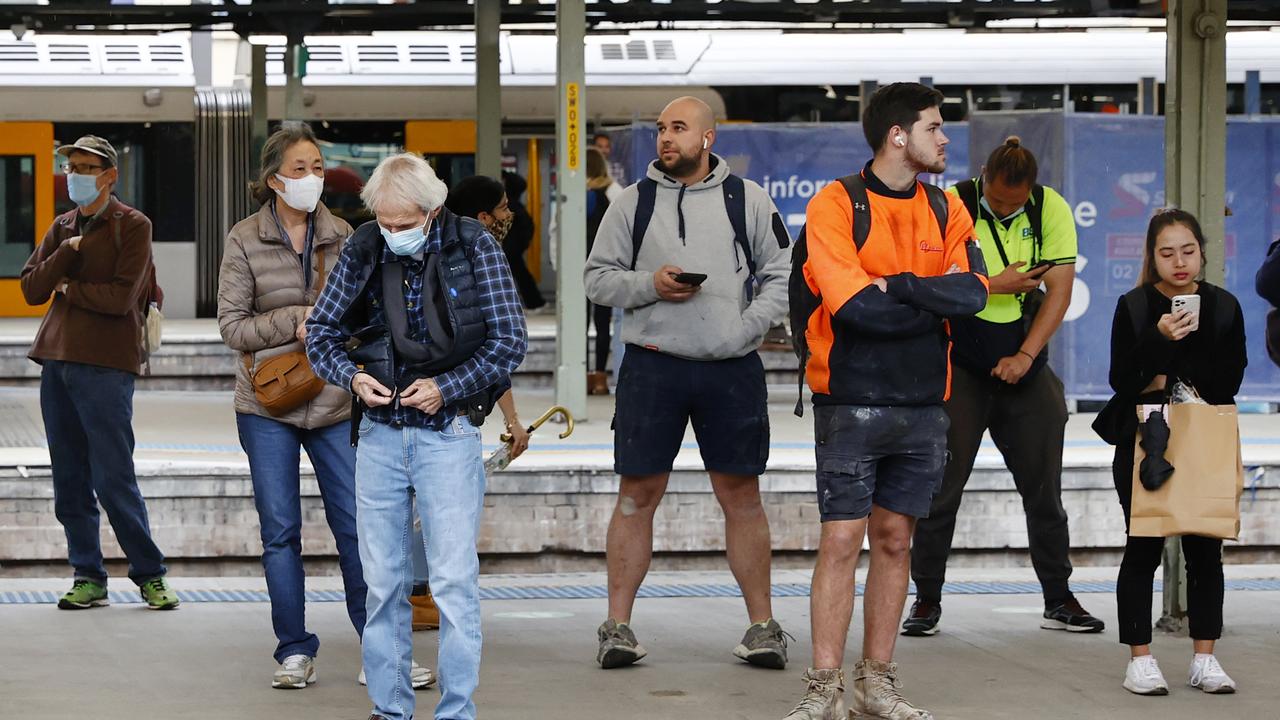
{"x": 347, "y": 168}
{"x": 18, "y": 212}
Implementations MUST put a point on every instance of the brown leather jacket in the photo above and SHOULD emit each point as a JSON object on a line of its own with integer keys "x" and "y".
{"x": 262, "y": 299}
{"x": 98, "y": 320}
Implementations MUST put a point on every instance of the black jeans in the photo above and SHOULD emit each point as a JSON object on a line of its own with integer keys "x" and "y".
{"x": 1203, "y": 556}
{"x": 1027, "y": 423}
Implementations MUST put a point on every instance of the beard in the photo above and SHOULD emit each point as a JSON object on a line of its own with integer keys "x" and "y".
{"x": 922, "y": 161}
{"x": 682, "y": 165}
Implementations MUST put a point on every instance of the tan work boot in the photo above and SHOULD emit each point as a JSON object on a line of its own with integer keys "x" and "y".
{"x": 426, "y": 616}
{"x": 875, "y": 694}
{"x": 824, "y": 700}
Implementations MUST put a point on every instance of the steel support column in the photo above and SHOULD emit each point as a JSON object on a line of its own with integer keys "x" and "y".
{"x": 294, "y": 68}
{"x": 1147, "y": 92}
{"x": 571, "y": 208}
{"x": 488, "y": 89}
{"x": 257, "y": 100}
{"x": 1195, "y": 174}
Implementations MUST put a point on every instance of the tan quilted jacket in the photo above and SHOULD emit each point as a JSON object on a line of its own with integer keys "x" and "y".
{"x": 262, "y": 299}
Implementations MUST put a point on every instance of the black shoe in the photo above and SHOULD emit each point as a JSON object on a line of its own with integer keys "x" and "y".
{"x": 923, "y": 620}
{"x": 1069, "y": 616}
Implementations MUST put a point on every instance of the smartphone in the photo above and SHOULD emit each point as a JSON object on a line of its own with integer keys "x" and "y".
{"x": 1189, "y": 303}
{"x": 689, "y": 278}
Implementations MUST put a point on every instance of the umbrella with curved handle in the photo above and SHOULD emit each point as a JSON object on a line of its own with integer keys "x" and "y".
{"x": 501, "y": 457}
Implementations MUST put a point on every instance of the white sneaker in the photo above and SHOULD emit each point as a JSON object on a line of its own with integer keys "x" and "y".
{"x": 1209, "y": 676}
{"x": 1143, "y": 677}
{"x": 420, "y": 676}
{"x": 295, "y": 673}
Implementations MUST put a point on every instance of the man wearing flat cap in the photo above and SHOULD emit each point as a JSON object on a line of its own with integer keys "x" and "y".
{"x": 95, "y": 265}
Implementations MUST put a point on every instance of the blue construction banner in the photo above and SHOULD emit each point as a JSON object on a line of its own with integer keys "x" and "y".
{"x": 1115, "y": 183}
{"x": 1110, "y": 169}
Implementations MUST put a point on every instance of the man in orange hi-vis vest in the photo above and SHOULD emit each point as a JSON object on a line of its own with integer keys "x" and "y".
{"x": 889, "y": 259}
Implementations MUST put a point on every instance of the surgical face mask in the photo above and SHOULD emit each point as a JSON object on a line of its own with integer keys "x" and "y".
{"x": 302, "y": 193}
{"x": 83, "y": 189}
{"x": 406, "y": 242}
{"x": 992, "y": 213}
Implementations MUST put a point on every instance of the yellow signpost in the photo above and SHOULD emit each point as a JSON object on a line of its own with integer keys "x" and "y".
{"x": 575, "y": 140}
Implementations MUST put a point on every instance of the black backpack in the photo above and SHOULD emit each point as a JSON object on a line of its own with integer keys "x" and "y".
{"x": 735, "y": 205}
{"x": 803, "y": 301}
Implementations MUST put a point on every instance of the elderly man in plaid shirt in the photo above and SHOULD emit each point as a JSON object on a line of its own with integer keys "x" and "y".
{"x": 430, "y": 300}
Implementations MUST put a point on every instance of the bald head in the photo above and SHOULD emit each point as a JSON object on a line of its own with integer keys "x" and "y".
{"x": 686, "y": 132}
{"x": 692, "y": 111}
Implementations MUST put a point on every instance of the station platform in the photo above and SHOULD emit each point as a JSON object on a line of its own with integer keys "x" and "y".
{"x": 550, "y": 509}
{"x": 211, "y": 658}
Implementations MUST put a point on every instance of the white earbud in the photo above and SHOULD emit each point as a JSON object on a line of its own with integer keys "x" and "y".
{"x": 704, "y": 143}
{"x": 898, "y": 139}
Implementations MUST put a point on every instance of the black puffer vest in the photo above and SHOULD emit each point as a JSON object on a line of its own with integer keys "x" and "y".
{"x": 450, "y": 299}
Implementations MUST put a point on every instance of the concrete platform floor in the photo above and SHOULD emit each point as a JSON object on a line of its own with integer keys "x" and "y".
{"x": 213, "y": 659}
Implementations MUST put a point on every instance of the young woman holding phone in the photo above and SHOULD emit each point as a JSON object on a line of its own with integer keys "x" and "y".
{"x": 1154, "y": 346}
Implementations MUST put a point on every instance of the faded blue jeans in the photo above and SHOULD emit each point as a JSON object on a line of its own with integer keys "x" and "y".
{"x": 444, "y": 472}
{"x": 273, "y": 448}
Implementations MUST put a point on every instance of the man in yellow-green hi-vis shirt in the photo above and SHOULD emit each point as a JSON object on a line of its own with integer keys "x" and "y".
{"x": 1001, "y": 383}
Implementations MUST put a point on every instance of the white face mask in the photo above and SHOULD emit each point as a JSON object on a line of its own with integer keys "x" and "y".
{"x": 301, "y": 193}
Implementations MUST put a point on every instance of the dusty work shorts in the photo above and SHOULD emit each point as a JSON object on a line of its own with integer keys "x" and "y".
{"x": 867, "y": 455}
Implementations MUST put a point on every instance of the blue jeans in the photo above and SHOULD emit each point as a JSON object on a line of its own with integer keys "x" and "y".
{"x": 273, "y": 449}
{"x": 88, "y": 414}
{"x": 444, "y": 472}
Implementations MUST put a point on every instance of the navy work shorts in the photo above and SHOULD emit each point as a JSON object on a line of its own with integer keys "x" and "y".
{"x": 659, "y": 394}
{"x": 892, "y": 457}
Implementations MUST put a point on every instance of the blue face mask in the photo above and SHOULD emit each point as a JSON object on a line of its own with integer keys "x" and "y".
{"x": 83, "y": 189}
{"x": 406, "y": 242}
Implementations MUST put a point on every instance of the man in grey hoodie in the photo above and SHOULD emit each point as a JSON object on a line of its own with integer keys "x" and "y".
{"x": 699, "y": 260}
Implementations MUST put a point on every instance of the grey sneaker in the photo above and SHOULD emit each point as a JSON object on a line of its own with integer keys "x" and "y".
{"x": 295, "y": 673}
{"x": 824, "y": 700}
{"x": 618, "y": 646}
{"x": 875, "y": 694}
{"x": 765, "y": 644}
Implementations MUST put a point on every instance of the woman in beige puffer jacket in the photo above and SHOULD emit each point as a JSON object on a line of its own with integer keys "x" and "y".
{"x": 273, "y": 268}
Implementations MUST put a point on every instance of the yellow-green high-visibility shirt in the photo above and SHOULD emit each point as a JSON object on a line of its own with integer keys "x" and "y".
{"x": 1059, "y": 245}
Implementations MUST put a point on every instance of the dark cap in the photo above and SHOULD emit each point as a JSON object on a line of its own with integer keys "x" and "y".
{"x": 91, "y": 144}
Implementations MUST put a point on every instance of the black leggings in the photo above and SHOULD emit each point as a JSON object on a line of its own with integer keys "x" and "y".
{"x": 602, "y": 316}
{"x": 1142, "y": 555}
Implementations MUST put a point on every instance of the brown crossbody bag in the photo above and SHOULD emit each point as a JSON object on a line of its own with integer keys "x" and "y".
{"x": 286, "y": 382}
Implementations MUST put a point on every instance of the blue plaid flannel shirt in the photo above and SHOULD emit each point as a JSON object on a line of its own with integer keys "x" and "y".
{"x": 499, "y": 356}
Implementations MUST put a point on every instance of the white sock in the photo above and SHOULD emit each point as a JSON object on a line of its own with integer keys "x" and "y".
{"x": 1201, "y": 657}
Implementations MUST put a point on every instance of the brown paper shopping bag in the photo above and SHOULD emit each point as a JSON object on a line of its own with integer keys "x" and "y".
{"x": 1202, "y": 497}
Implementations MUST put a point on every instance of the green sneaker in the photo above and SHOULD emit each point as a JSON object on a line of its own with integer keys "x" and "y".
{"x": 158, "y": 595}
{"x": 84, "y": 594}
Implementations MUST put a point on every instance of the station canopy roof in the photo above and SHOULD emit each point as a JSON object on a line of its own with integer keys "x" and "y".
{"x": 298, "y": 17}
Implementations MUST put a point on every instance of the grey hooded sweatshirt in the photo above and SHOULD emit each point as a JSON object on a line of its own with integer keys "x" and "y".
{"x": 690, "y": 229}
